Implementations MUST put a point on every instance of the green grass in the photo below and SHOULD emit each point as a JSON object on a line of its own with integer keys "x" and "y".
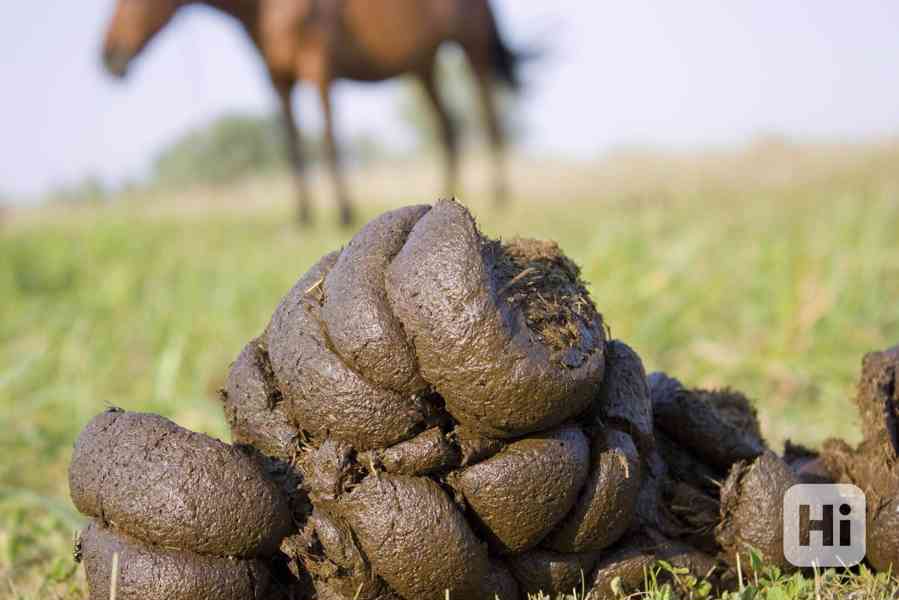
{"x": 714, "y": 270}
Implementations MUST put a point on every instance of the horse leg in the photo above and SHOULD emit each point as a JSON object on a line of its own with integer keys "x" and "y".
{"x": 448, "y": 132}
{"x": 485, "y": 85}
{"x": 332, "y": 154}
{"x": 294, "y": 151}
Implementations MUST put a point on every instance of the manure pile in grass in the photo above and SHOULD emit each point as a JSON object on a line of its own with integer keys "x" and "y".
{"x": 431, "y": 410}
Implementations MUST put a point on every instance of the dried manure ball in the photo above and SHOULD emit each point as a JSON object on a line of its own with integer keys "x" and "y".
{"x": 171, "y": 487}
{"x": 188, "y": 516}
{"x": 146, "y": 572}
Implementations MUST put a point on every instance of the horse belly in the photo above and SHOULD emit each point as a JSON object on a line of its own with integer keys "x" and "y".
{"x": 387, "y": 38}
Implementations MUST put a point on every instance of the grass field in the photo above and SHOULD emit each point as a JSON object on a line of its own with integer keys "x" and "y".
{"x": 771, "y": 269}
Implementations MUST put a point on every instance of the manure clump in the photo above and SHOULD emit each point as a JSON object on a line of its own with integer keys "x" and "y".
{"x": 497, "y": 374}
{"x": 874, "y": 465}
{"x": 142, "y": 472}
{"x": 430, "y": 410}
{"x": 188, "y": 516}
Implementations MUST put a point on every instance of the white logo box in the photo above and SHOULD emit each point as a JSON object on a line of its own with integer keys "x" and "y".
{"x": 836, "y": 533}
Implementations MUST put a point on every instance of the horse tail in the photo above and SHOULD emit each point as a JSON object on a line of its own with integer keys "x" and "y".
{"x": 503, "y": 59}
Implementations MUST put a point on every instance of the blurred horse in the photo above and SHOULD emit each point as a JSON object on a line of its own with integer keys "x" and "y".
{"x": 320, "y": 41}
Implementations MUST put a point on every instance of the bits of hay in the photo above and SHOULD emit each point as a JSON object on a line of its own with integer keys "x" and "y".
{"x": 489, "y": 341}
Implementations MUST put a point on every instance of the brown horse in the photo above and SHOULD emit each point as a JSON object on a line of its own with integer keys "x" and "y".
{"x": 320, "y": 41}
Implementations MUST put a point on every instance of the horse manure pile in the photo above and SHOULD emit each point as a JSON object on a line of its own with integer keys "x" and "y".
{"x": 431, "y": 410}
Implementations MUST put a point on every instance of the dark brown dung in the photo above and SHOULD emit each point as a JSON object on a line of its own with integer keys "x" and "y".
{"x": 496, "y": 375}
{"x": 624, "y": 399}
{"x": 501, "y": 584}
{"x": 874, "y": 464}
{"x": 326, "y": 396}
{"x": 360, "y": 322}
{"x": 172, "y": 487}
{"x": 430, "y": 410}
{"x": 474, "y": 447}
{"x": 689, "y": 418}
{"x": 253, "y": 405}
{"x": 752, "y": 510}
{"x": 608, "y": 500}
{"x": 809, "y": 465}
{"x": 523, "y": 492}
{"x": 343, "y": 569}
{"x": 147, "y": 572}
{"x": 631, "y": 564}
{"x": 684, "y": 465}
{"x": 883, "y": 534}
{"x": 537, "y": 279}
{"x": 541, "y": 570}
{"x": 877, "y": 399}
{"x": 416, "y": 538}
{"x": 428, "y": 452}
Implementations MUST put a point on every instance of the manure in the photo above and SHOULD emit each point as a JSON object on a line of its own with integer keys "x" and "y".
{"x": 168, "y": 486}
{"x": 148, "y": 572}
{"x": 505, "y": 333}
{"x": 752, "y": 510}
{"x": 429, "y": 410}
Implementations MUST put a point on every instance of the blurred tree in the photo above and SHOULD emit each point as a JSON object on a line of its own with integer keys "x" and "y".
{"x": 236, "y": 145}
{"x": 457, "y": 87}
{"x": 228, "y": 148}
{"x": 88, "y": 189}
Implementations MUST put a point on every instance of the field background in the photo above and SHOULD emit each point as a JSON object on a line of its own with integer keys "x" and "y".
{"x": 771, "y": 268}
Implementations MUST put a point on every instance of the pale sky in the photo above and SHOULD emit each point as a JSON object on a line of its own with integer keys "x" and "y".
{"x": 676, "y": 74}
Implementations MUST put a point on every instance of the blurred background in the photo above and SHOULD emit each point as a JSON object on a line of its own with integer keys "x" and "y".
{"x": 726, "y": 174}
{"x": 644, "y": 74}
